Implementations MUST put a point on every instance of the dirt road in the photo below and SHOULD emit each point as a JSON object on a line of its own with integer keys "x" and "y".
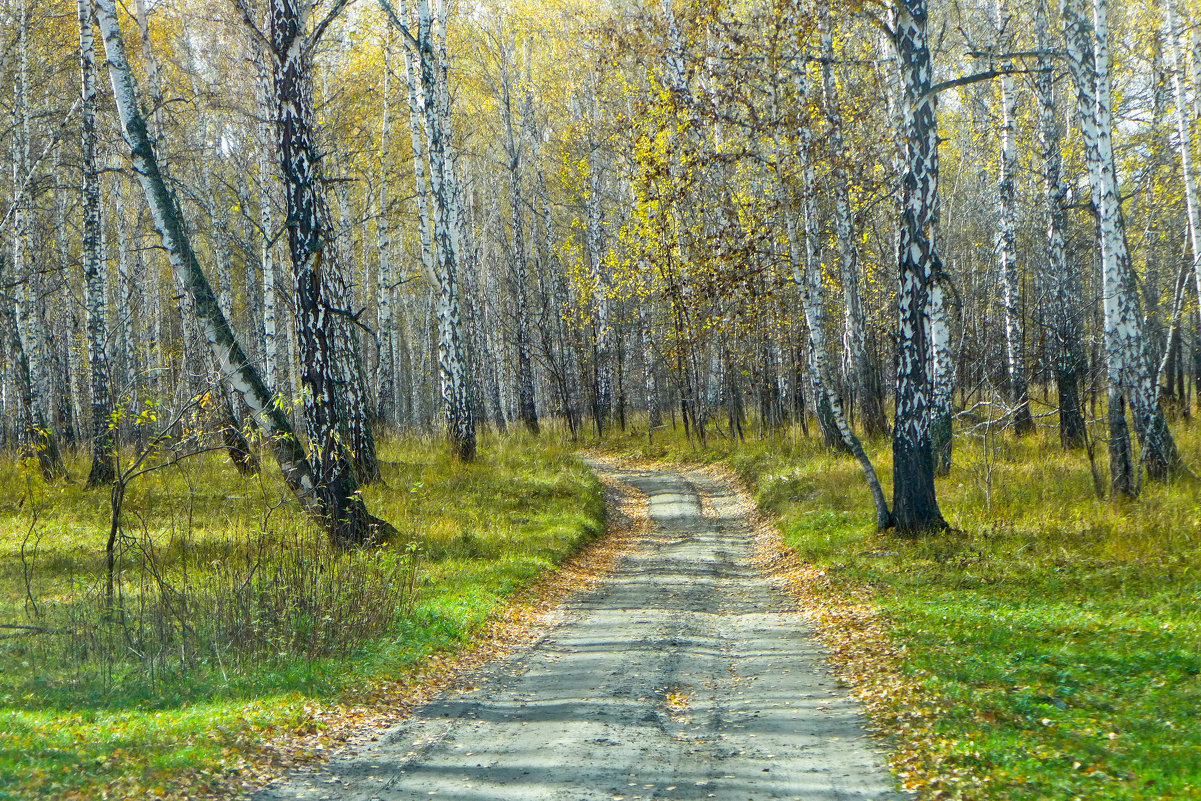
{"x": 680, "y": 677}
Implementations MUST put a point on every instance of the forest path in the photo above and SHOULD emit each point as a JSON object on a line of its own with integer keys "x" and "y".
{"x": 682, "y": 675}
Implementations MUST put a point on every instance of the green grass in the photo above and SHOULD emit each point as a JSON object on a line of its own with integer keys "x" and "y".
{"x": 70, "y": 726}
{"x": 1058, "y": 635}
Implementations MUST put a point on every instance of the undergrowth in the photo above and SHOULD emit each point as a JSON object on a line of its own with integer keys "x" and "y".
{"x": 232, "y": 620}
{"x": 1056, "y": 635}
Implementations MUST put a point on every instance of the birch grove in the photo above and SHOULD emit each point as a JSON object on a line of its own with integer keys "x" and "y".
{"x": 322, "y": 225}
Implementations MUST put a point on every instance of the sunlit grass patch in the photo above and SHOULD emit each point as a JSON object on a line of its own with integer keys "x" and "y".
{"x": 71, "y": 722}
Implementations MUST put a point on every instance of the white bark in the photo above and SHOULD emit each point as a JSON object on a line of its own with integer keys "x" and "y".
{"x": 920, "y": 397}
{"x": 807, "y": 272}
{"x": 1010, "y": 277}
{"x": 1175, "y": 32}
{"x": 102, "y": 469}
{"x": 172, "y": 233}
{"x": 442, "y": 235}
{"x": 864, "y": 380}
{"x": 1125, "y": 347}
{"x": 386, "y": 291}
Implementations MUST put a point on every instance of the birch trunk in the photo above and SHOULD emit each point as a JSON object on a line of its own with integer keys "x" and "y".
{"x": 125, "y": 295}
{"x": 654, "y": 413}
{"x": 864, "y": 372}
{"x": 35, "y": 435}
{"x": 915, "y": 504}
{"x": 460, "y": 265}
{"x": 1010, "y": 278}
{"x": 103, "y": 469}
{"x": 386, "y": 292}
{"x": 75, "y": 370}
{"x": 23, "y": 330}
{"x": 1175, "y": 32}
{"x": 602, "y": 386}
{"x": 440, "y": 231}
{"x": 562, "y": 345}
{"x": 297, "y": 469}
{"x": 942, "y": 390}
{"x": 320, "y": 289}
{"x": 807, "y": 272}
{"x": 526, "y": 410}
{"x": 1128, "y": 365}
{"x": 1064, "y": 278}
{"x": 555, "y": 295}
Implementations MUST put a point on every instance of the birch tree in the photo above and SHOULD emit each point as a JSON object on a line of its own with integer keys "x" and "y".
{"x": 807, "y": 273}
{"x": 103, "y": 469}
{"x": 326, "y": 376}
{"x": 441, "y": 224}
{"x": 519, "y": 279}
{"x": 386, "y": 374}
{"x": 1127, "y": 361}
{"x": 915, "y": 505}
{"x": 345, "y": 517}
{"x": 1010, "y": 277}
{"x": 865, "y": 378}
{"x": 1062, "y": 277}
{"x": 1175, "y": 24}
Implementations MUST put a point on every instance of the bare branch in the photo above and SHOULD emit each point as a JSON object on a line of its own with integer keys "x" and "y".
{"x": 976, "y": 78}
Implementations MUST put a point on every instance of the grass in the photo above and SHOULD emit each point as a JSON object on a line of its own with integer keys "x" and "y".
{"x": 75, "y": 726}
{"x": 1056, "y": 636}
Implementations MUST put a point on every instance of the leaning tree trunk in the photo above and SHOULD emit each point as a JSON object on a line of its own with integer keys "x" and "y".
{"x": 807, "y": 272}
{"x": 237, "y": 445}
{"x": 1128, "y": 364}
{"x": 103, "y": 469}
{"x": 297, "y": 470}
{"x": 1064, "y": 278}
{"x": 915, "y": 504}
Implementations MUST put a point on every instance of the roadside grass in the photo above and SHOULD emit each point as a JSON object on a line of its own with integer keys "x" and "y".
{"x": 1055, "y": 637}
{"x": 137, "y": 724}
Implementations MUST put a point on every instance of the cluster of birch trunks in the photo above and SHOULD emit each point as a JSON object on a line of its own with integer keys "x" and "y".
{"x": 315, "y": 223}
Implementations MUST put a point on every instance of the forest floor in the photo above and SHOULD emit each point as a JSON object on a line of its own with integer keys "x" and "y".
{"x": 685, "y": 674}
{"x": 1048, "y": 647}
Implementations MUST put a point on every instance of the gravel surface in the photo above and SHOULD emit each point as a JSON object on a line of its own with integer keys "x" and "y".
{"x": 681, "y": 676}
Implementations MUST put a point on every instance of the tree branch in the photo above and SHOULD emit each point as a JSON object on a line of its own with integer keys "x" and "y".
{"x": 319, "y": 31}
{"x": 249, "y": 20}
{"x": 964, "y": 80}
{"x": 396, "y": 23}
